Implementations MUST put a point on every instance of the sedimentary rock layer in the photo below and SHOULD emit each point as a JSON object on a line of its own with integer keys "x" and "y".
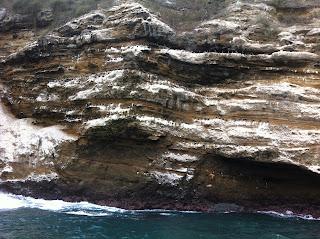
{"x": 137, "y": 115}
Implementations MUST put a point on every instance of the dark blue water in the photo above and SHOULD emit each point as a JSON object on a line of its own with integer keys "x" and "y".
{"x": 28, "y": 223}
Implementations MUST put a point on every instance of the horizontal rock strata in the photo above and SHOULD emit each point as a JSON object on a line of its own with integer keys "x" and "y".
{"x": 126, "y": 111}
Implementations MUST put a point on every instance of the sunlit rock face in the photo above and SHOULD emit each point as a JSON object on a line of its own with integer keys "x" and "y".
{"x": 119, "y": 108}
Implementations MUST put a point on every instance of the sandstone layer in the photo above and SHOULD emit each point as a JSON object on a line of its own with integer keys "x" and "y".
{"x": 117, "y": 107}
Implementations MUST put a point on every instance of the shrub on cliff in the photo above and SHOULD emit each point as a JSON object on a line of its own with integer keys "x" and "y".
{"x": 269, "y": 27}
{"x": 60, "y": 6}
{"x": 31, "y": 7}
{"x": 85, "y": 7}
{"x": 28, "y": 7}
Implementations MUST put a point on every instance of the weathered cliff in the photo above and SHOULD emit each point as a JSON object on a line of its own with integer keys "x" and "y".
{"x": 119, "y": 108}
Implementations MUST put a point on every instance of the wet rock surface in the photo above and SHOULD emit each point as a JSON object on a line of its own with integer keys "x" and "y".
{"x": 145, "y": 116}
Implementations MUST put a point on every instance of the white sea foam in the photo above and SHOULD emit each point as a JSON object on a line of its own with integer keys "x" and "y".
{"x": 288, "y": 214}
{"x": 10, "y": 201}
{"x": 13, "y": 202}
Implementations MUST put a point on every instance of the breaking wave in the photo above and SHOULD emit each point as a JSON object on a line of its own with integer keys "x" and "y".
{"x": 288, "y": 214}
{"x": 12, "y": 202}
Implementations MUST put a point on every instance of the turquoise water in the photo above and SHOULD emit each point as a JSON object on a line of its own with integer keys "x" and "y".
{"x": 35, "y": 223}
{"x": 25, "y": 218}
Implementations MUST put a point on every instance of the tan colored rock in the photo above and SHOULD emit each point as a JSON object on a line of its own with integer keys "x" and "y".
{"x": 162, "y": 117}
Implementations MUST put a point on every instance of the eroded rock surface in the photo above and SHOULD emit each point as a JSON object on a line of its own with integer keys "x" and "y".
{"x": 138, "y": 115}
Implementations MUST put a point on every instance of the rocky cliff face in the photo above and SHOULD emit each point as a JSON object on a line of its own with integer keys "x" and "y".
{"x": 119, "y": 108}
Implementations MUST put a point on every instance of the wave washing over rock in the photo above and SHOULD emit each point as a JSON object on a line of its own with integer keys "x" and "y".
{"x": 14, "y": 202}
{"x": 119, "y": 108}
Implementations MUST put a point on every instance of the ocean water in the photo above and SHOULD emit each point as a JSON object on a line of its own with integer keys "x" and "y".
{"x": 28, "y": 218}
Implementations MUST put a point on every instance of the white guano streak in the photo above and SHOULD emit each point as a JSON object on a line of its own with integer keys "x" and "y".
{"x": 19, "y": 139}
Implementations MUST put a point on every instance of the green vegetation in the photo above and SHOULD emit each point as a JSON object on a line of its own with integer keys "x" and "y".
{"x": 27, "y": 7}
{"x": 60, "y": 6}
{"x": 297, "y": 4}
{"x": 63, "y": 10}
{"x": 182, "y": 14}
{"x": 186, "y": 14}
{"x": 277, "y": 3}
{"x": 270, "y": 28}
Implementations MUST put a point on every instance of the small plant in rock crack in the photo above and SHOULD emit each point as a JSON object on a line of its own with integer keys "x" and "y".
{"x": 277, "y": 3}
{"x": 269, "y": 27}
